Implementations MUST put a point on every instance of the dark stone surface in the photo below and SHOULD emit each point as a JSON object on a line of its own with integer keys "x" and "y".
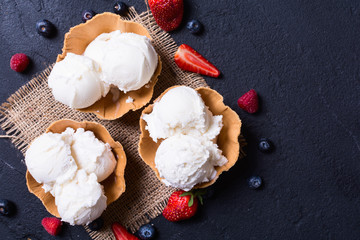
{"x": 302, "y": 57}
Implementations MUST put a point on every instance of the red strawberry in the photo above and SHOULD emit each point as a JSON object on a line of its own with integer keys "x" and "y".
{"x": 167, "y": 13}
{"x": 19, "y": 62}
{"x": 190, "y": 60}
{"x": 121, "y": 233}
{"x": 249, "y": 101}
{"x": 182, "y": 205}
{"x": 52, "y": 225}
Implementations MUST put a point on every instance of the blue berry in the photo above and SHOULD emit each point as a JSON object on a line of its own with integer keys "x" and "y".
{"x": 45, "y": 28}
{"x": 120, "y": 8}
{"x": 254, "y": 182}
{"x": 87, "y": 15}
{"x": 97, "y": 224}
{"x": 7, "y": 208}
{"x": 147, "y": 232}
{"x": 194, "y": 26}
{"x": 265, "y": 145}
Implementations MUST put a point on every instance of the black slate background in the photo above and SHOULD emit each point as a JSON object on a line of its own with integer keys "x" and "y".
{"x": 302, "y": 57}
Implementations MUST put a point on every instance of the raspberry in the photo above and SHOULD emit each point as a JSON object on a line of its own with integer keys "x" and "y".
{"x": 52, "y": 225}
{"x": 249, "y": 101}
{"x": 19, "y": 62}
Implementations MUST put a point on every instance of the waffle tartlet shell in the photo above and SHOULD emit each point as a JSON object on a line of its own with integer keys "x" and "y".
{"x": 80, "y": 36}
{"x": 227, "y": 140}
{"x": 114, "y": 185}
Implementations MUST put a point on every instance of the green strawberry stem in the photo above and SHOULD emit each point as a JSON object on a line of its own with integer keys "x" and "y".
{"x": 194, "y": 193}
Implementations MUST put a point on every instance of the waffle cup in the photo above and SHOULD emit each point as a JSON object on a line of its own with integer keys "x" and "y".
{"x": 227, "y": 140}
{"x": 76, "y": 41}
{"x": 114, "y": 185}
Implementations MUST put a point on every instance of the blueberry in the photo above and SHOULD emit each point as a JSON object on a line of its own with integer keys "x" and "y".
{"x": 265, "y": 145}
{"x": 120, "y": 8}
{"x": 254, "y": 182}
{"x": 194, "y": 26}
{"x": 96, "y": 225}
{"x": 147, "y": 232}
{"x": 45, "y": 28}
{"x": 87, "y": 15}
{"x": 7, "y": 207}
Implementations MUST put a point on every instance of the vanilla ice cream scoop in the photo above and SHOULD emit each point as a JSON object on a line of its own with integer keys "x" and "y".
{"x": 182, "y": 110}
{"x": 49, "y": 159}
{"x": 92, "y": 155}
{"x": 127, "y": 60}
{"x": 81, "y": 200}
{"x": 75, "y": 81}
{"x": 184, "y": 161}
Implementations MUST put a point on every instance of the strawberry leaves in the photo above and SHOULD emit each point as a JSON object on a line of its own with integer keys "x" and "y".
{"x": 194, "y": 194}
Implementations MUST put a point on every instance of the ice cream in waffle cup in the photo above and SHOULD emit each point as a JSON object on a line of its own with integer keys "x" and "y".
{"x": 114, "y": 104}
{"x": 114, "y": 185}
{"x": 227, "y": 140}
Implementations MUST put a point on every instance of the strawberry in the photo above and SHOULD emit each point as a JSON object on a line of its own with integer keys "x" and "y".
{"x": 121, "y": 233}
{"x": 249, "y": 101}
{"x": 52, "y": 225}
{"x": 182, "y": 205}
{"x": 190, "y": 60}
{"x": 167, "y": 13}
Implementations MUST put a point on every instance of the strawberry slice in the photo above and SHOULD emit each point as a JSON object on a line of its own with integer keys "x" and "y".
{"x": 121, "y": 233}
{"x": 190, "y": 60}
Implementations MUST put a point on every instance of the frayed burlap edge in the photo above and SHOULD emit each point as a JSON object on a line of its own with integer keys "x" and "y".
{"x": 30, "y": 110}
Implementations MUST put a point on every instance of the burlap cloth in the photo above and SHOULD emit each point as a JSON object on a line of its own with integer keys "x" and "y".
{"x": 30, "y": 110}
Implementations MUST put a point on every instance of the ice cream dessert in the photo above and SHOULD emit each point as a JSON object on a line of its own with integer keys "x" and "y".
{"x": 124, "y": 60}
{"x": 184, "y": 133}
{"x": 184, "y": 161}
{"x": 72, "y": 165}
{"x": 76, "y": 81}
{"x": 189, "y": 137}
{"x": 49, "y": 159}
{"x": 182, "y": 111}
{"x": 81, "y": 200}
{"x": 127, "y": 60}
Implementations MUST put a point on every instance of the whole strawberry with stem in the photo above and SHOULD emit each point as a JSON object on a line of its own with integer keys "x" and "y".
{"x": 182, "y": 205}
{"x": 167, "y": 13}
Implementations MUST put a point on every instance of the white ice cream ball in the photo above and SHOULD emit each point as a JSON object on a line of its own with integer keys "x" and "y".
{"x": 184, "y": 161}
{"x": 81, "y": 200}
{"x": 92, "y": 155}
{"x": 128, "y": 60}
{"x": 182, "y": 111}
{"x": 75, "y": 81}
{"x": 49, "y": 159}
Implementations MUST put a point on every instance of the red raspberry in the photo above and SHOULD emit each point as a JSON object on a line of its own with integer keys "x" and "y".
{"x": 19, "y": 62}
{"x": 52, "y": 225}
{"x": 249, "y": 101}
